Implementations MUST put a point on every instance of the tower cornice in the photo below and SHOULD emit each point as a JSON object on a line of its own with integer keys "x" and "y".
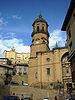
{"x": 47, "y": 33}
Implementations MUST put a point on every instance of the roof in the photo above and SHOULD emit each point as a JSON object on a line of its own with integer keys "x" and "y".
{"x": 6, "y": 66}
{"x": 40, "y": 19}
{"x": 68, "y": 15}
{"x": 4, "y": 58}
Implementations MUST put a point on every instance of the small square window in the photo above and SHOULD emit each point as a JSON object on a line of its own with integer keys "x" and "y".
{"x": 67, "y": 70}
{"x": 19, "y": 69}
{"x": 24, "y": 69}
{"x": 48, "y": 59}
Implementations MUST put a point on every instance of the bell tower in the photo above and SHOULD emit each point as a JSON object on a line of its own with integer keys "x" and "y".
{"x": 40, "y": 36}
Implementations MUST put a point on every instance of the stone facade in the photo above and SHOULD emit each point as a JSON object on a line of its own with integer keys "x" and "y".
{"x": 45, "y": 65}
{"x": 6, "y": 70}
{"x": 22, "y": 91}
{"x": 16, "y": 58}
{"x": 69, "y": 27}
{"x": 20, "y": 62}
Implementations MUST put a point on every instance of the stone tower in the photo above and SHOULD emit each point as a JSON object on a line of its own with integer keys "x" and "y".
{"x": 40, "y": 36}
{"x": 45, "y": 66}
{"x": 40, "y": 44}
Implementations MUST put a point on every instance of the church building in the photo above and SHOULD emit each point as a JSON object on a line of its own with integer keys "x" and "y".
{"x": 46, "y": 66}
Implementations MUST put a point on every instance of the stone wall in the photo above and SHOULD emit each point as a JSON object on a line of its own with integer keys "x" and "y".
{"x": 38, "y": 94}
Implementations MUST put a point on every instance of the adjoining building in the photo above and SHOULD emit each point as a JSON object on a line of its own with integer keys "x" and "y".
{"x": 69, "y": 27}
{"x": 6, "y": 70}
{"x": 45, "y": 65}
{"x": 20, "y": 62}
{"x": 16, "y": 58}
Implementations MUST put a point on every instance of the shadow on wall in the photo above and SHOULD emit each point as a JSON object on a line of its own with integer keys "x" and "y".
{"x": 4, "y": 89}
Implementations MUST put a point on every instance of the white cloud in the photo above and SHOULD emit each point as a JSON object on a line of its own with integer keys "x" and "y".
{"x": 2, "y": 22}
{"x": 16, "y": 17}
{"x": 8, "y": 43}
{"x": 56, "y": 36}
{"x": 17, "y": 43}
{"x": 7, "y": 35}
{"x": 10, "y": 35}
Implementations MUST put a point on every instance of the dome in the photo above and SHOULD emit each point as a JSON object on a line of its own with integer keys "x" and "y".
{"x": 40, "y": 19}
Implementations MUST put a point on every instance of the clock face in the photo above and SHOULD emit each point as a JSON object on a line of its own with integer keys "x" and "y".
{"x": 37, "y": 42}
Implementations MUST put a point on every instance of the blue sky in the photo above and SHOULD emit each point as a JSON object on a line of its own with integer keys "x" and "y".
{"x": 17, "y": 16}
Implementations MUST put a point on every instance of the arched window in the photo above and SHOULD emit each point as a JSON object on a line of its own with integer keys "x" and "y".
{"x": 42, "y": 28}
{"x": 37, "y": 28}
{"x": 37, "y": 39}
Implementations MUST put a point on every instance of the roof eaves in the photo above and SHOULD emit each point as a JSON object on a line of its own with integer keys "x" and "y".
{"x": 68, "y": 15}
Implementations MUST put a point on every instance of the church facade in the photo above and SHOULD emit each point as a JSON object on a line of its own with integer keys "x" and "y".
{"x": 46, "y": 66}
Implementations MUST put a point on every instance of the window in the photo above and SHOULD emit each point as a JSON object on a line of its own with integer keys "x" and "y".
{"x": 20, "y": 73}
{"x": 37, "y": 28}
{"x": 42, "y": 28}
{"x": 67, "y": 70}
{"x": 24, "y": 69}
{"x": 4, "y": 62}
{"x": 37, "y": 39}
{"x": 19, "y": 69}
{"x": 69, "y": 34}
{"x": 43, "y": 40}
{"x": 13, "y": 93}
{"x": 70, "y": 46}
{"x": 48, "y": 59}
{"x": 48, "y": 71}
{"x": 36, "y": 75}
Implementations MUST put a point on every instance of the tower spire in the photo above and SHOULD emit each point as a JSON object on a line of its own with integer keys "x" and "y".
{"x": 56, "y": 45}
{"x": 40, "y": 16}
